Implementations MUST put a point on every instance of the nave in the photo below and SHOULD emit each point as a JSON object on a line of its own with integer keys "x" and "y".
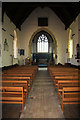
{"x": 36, "y": 35}
{"x": 42, "y": 101}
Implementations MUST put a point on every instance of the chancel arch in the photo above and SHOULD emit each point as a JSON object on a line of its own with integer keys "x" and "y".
{"x": 43, "y": 48}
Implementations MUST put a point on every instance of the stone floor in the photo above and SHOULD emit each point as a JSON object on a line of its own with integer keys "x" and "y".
{"x": 42, "y": 101}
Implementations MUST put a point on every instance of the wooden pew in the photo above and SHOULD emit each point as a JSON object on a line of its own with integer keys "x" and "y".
{"x": 19, "y": 75}
{"x": 12, "y": 95}
{"x": 61, "y": 73}
{"x": 11, "y": 83}
{"x": 66, "y": 78}
{"x": 28, "y": 79}
{"x": 56, "y": 74}
{"x": 70, "y": 95}
{"x": 27, "y": 73}
{"x": 68, "y": 83}
{"x": 23, "y": 69}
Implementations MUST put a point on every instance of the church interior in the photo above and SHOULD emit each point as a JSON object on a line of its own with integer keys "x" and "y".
{"x": 40, "y": 60}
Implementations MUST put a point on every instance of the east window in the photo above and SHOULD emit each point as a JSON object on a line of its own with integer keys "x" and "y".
{"x": 42, "y": 44}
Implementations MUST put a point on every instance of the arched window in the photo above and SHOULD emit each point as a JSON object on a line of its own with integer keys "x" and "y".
{"x": 42, "y": 44}
{"x": 15, "y": 44}
{"x": 70, "y": 44}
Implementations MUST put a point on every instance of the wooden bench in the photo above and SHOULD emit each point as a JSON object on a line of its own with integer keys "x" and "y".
{"x": 28, "y": 79}
{"x": 63, "y": 73}
{"x": 66, "y": 78}
{"x": 60, "y": 72}
{"x": 70, "y": 95}
{"x": 12, "y": 95}
{"x": 68, "y": 83}
{"x": 27, "y": 73}
{"x": 19, "y": 75}
{"x": 11, "y": 83}
{"x": 23, "y": 69}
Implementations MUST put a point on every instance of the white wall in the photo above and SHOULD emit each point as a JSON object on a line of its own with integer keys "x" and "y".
{"x": 0, "y": 55}
{"x": 75, "y": 26}
{"x": 79, "y": 28}
{"x": 30, "y": 25}
{"x": 0, "y": 35}
{"x": 54, "y": 25}
{"x": 9, "y": 27}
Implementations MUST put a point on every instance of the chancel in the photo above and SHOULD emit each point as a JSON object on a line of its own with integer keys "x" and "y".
{"x": 40, "y": 60}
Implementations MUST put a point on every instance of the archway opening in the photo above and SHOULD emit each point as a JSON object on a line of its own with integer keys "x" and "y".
{"x": 42, "y": 49}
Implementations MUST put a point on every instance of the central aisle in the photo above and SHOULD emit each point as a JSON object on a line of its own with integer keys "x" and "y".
{"x": 42, "y": 101}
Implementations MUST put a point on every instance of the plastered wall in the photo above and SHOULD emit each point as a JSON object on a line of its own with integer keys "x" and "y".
{"x": 28, "y": 28}
{"x": 7, "y": 55}
{"x": 75, "y": 26}
{"x": 79, "y": 28}
{"x": 56, "y": 27}
{"x": 0, "y": 35}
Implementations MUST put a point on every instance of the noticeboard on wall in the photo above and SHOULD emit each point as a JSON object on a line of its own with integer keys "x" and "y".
{"x": 21, "y": 51}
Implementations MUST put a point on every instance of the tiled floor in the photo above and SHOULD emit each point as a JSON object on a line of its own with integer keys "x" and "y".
{"x": 42, "y": 101}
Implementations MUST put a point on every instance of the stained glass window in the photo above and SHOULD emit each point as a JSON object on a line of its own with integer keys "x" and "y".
{"x": 42, "y": 44}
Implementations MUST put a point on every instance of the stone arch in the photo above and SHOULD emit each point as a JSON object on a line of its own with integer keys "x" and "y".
{"x": 53, "y": 37}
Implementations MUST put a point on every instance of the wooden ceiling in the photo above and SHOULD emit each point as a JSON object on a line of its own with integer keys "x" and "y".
{"x": 19, "y": 11}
